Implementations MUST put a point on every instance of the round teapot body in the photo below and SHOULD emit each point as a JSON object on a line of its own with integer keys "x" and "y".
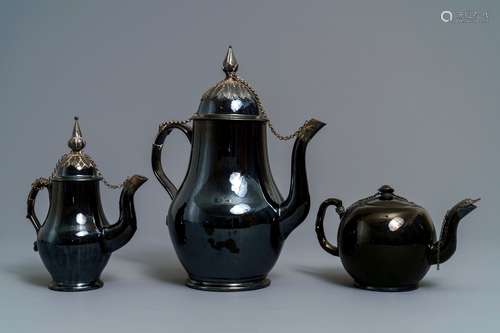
{"x": 69, "y": 241}
{"x": 384, "y": 248}
{"x": 221, "y": 222}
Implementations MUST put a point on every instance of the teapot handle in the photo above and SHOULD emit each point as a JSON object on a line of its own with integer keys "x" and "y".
{"x": 164, "y": 131}
{"x": 36, "y": 186}
{"x": 320, "y": 231}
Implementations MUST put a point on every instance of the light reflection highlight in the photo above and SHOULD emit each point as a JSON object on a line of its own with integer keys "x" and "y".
{"x": 396, "y": 223}
{"x": 240, "y": 209}
{"x": 236, "y": 105}
{"x": 81, "y": 219}
{"x": 238, "y": 184}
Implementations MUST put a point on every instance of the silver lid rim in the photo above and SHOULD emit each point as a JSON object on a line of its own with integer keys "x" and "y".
{"x": 220, "y": 116}
{"x": 76, "y": 178}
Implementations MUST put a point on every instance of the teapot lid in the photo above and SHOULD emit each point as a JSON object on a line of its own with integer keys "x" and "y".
{"x": 76, "y": 165}
{"x": 232, "y": 98}
{"x": 385, "y": 197}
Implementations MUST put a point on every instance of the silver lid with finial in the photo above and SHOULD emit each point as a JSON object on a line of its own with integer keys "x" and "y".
{"x": 76, "y": 165}
{"x": 232, "y": 98}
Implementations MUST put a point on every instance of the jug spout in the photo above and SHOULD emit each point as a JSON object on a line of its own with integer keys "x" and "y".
{"x": 296, "y": 206}
{"x": 445, "y": 247}
{"x": 117, "y": 235}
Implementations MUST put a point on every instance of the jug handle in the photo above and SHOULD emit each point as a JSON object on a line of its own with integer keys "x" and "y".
{"x": 36, "y": 186}
{"x": 163, "y": 132}
{"x": 320, "y": 231}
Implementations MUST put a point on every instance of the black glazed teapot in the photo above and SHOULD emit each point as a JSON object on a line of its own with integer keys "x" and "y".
{"x": 76, "y": 241}
{"x": 388, "y": 243}
{"x": 228, "y": 221}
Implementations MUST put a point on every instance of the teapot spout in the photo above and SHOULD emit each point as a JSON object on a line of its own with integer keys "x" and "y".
{"x": 117, "y": 235}
{"x": 445, "y": 247}
{"x": 296, "y": 206}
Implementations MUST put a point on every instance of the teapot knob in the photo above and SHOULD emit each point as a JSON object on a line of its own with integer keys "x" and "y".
{"x": 386, "y": 192}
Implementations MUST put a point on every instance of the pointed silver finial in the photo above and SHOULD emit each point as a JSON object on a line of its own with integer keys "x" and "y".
{"x": 230, "y": 64}
{"x": 76, "y": 142}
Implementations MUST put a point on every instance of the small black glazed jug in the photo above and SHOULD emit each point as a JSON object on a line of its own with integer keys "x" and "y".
{"x": 228, "y": 221}
{"x": 76, "y": 241}
{"x": 388, "y": 243}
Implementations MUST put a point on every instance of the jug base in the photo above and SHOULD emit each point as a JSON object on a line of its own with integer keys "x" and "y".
{"x": 75, "y": 286}
{"x": 228, "y": 285}
{"x": 387, "y": 289}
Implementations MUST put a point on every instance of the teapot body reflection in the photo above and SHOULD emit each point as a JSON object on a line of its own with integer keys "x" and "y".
{"x": 228, "y": 220}
{"x": 388, "y": 243}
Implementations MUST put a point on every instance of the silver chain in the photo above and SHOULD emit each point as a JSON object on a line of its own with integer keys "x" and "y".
{"x": 108, "y": 184}
{"x": 263, "y": 112}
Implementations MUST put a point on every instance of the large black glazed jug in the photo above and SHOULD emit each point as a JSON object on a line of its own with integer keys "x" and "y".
{"x": 75, "y": 241}
{"x": 228, "y": 221}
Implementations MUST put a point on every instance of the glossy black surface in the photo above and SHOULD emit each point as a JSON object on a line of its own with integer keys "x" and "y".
{"x": 76, "y": 241}
{"x": 387, "y": 243}
{"x": 228, "y": 220}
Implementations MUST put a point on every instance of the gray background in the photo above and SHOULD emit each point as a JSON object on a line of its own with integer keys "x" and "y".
{"x": 409, "y": 101}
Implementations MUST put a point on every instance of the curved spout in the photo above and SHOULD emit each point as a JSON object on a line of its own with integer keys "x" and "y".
{"x": 445, "y": 247}
{"x": 118, "y": 234}
{"x": 296, "y": 207}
